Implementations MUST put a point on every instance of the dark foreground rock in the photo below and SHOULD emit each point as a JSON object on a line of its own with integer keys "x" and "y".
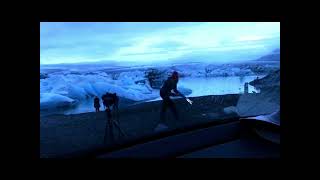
{"x": 272, "y": 79}
{"x": 62, "y": 134}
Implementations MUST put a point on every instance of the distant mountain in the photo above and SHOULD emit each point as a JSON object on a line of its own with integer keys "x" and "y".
{"x": 274, "y": 56}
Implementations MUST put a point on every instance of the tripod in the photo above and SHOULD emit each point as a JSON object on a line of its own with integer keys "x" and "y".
{"x": 112, "y": 121}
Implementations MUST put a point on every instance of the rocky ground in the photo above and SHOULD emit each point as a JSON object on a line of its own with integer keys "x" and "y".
{"x": 61, "y": 134}
{"x": 272, "y": 79}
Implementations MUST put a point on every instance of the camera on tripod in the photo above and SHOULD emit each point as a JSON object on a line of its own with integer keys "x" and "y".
{"x": 112, "y": 100}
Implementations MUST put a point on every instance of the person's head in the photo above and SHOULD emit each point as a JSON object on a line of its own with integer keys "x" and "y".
{"x": 175, "y": 76}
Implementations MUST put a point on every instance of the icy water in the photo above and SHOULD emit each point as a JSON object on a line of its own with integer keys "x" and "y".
{"x": 216, "y": 85}
{"x": 199, "y": 87}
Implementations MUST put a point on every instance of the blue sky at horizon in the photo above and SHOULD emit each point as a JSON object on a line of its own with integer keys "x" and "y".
{"x": 145, "y": 42}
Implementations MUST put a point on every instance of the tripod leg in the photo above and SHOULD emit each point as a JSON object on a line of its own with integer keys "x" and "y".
{"x": 116, "y": 121}
{"x": 120, "y": 130}
{"x": 117, "y": 113}
{"x": 111, "y": 131}
{"x": 106, "y": 133}
{"x": 109, "y": 128}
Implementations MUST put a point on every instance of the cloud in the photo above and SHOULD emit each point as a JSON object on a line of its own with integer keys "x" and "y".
{"x": 168, "y": 44}
{"x": 76, "y": 42}
{"x": 249, "y": 38}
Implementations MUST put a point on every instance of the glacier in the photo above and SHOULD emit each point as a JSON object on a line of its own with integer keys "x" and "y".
{"x": 69, "y": 87}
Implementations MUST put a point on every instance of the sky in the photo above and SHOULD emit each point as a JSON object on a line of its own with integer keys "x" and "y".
{"x": 155, "y": 42}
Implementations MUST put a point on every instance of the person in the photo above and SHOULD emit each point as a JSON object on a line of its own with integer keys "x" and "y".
{"x": 169, "y": 88}
{"x": 97, "y": 104}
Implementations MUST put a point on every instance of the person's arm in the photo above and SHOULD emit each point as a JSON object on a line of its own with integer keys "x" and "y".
{"x": 187, "y": 99}
{"x": 177, "y": 92}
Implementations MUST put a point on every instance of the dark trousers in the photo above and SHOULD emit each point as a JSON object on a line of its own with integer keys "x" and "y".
{"x": 168, "y": 103}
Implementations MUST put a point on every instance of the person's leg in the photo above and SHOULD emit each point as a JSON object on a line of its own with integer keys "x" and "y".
{"x": 164, "y": 108}
{"x": 173, "y": 109}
